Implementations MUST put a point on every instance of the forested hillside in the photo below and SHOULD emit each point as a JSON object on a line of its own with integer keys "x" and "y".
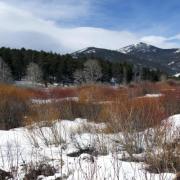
{"x": 61, "y": 68}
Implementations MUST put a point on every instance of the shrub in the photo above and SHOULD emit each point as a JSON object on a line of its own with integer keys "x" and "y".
{"x": 133, "y": 114}
{"x": 40, "y": 169}
{"x": 171, "y": 101}
{"x": 72, "y": 109}
{"x": 38, "y": 93}
{"x": 14, "y": 105}
{"x": 100, "y": 93}
{"x": 141, "y": 89}
{"x": 63, "y": 92}
{"x": 53, "y": 93}
{"x": 43, "y": 113}
{"x": 165, "y": 157}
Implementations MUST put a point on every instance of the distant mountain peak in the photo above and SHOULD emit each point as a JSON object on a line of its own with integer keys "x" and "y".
{"x": 85, "y": 51}
{"x": 141, "y": 54}
{"x": 142, "y": 44}
{"x": 139, "y": 47}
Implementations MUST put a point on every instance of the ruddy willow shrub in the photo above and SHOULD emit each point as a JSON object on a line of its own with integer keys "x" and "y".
{"x": 72, "y": 109}
{"x": 141, "y": 89}
{"x": 43, "y": 114}
{"x": 14, "y": 105}
{"x": 54, "y": 93}
{"x": 136, "y": 114}
{"x": 171, "y": 100}
{"x": 63, "y": 92}
{"x": 100, "y": 93}
{"x": 38, "y": 93}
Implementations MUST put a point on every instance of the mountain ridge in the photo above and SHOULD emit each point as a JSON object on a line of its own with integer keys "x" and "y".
{"x": 141, "y": 54}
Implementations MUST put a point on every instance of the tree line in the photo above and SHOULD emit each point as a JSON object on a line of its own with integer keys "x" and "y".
{"x": 52, "y": 67}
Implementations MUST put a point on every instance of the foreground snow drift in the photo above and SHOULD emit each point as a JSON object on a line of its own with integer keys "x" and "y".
{"x": 66, "y": 146}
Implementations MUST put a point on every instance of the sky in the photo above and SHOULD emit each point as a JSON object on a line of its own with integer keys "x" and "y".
{"x": 65, "y": 26}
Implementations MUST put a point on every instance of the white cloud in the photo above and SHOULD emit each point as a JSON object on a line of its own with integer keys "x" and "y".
{"x": 161, "y": 41}
{"x": 176, "y": 37}
{"x": 21, "y": 27}
{"x": 53, "y": 9}
{"x": 18, "y": 24}
{"x": 29, "y": 40}
{"x": 81, "y": 37}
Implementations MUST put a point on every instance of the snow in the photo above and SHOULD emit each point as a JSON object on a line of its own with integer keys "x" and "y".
{"x": 140, "y": 47}
{"x": 80, "y": 51}
{"x": 28, "y": 83}
{"x": 90, "y": 51}
{"x": 47, "y": 101}
{"x": 174, "y": 121}
{"x": 177, "y": 75}
{"x": 153, "y": 95}
{"x": 84, "y": 51}
{"x": 106, "y": 167}
{"x": 177, "y": 51}
{"x": 16, "y": 150}
{"x": 126, "y": 50}
{"x": 171, "y": 63}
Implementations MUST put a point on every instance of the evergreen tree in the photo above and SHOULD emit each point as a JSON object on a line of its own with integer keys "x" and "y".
{"x": 61, "y": 68}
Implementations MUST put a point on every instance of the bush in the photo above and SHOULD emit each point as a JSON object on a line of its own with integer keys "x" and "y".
{"x": 133, "y": 114}
{"x": 63, "y": 92}
{"x": 38, "y": 93}
{"x": 141, "y": 89}
{"x": 100, "y": 93}
{"x": 41, "y": 169}
{"x": 14, "y": 105}
{"x": 166, "y": 154}
{"x": 171, "y": 101}
{"x": 43, "y": 113}
{"x": 53, "y": 93}
{"x": 72, "y": 109}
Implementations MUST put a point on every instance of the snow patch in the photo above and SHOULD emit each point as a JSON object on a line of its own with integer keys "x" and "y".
{"x": 47, "y": 101}
{"x": 177, "y": 51}
{"x": 16, "y": 150}
{"x": 140, "y": 47}
{"x": 153, "y": 95}
{"x": 171, "y": 63}
{"x": 177, "y": 75}
{"x": 174, "y": 121}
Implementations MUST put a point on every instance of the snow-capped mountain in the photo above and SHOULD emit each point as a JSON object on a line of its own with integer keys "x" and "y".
{"x": 169, "y": 58}
{"x": 140, "y": 47}
{"x": 105, "y": 54}
{"x": 84, "y": 51}
{"x": 141, "y": 54}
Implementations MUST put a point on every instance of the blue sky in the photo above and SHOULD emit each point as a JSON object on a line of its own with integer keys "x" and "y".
{"x": 68, "y": 25}
{"x": 146, "y": 16}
